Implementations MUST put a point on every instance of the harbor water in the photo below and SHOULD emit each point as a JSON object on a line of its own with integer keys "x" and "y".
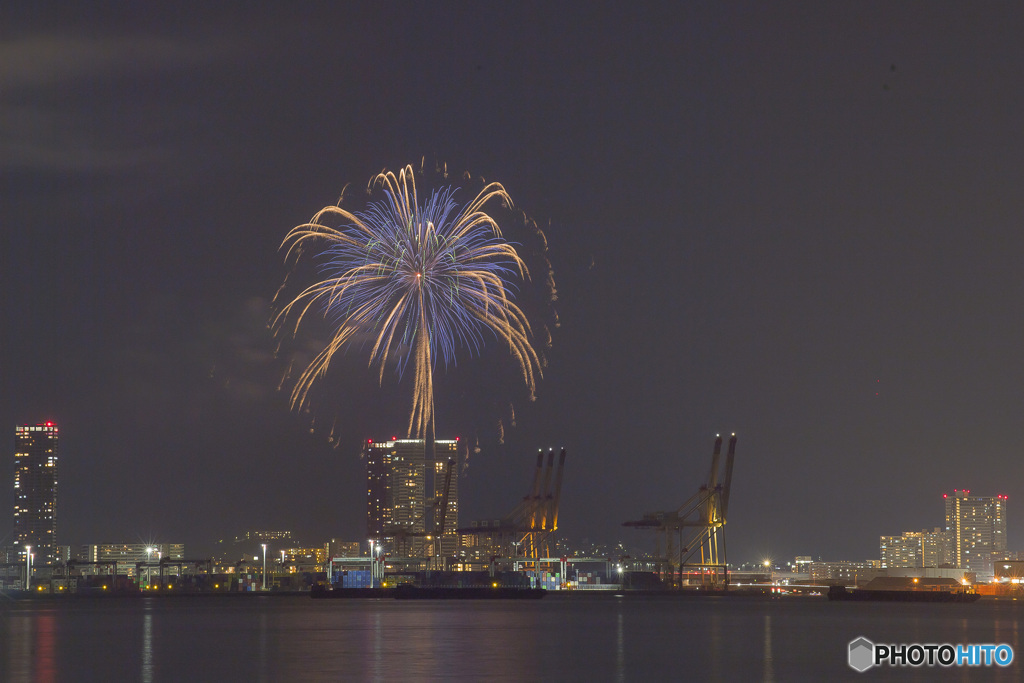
{"x": 582, "y": 637}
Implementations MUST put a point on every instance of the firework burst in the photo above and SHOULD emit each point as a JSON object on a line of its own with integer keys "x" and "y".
{"x": 420, "y": 280}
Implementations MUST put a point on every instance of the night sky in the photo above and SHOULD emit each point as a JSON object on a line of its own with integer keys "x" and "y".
{"x": 799, "y": 222}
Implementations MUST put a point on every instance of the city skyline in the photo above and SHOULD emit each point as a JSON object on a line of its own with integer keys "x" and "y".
{"x": 797, "y": 223}
{"x": 398, "y": 510}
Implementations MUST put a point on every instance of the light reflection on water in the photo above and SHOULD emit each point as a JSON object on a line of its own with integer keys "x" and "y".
{"x": 147, "y": 645}
{"x": 620, "y": 647}
{"x": 558, "y": 638}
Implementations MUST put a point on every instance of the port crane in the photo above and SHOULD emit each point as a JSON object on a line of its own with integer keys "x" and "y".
{"x": 532, "y": 522}
{"x": 692, "y": 536}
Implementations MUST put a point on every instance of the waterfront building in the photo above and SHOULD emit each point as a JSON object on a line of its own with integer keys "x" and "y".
{"x": 901, "y": 551}
{"x": 302, "y": 559}
{"x": 35, "y": 491}
{"x": 977, "y": 528}
{"x": 1011, "y": 571}
{"x": 400, "y": 516}
{"x": 127, "y": 555}
{"x": 917, "y": 549}
{"x": 844, "y": 572}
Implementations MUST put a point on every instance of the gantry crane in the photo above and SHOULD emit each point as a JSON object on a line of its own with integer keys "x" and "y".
{"x": 696, "y": 529}
{"x": 526, "y": 531}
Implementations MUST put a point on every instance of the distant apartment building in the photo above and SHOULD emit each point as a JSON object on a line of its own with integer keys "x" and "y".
{"x": 901, "y": 551}
{"x": 408, "y": 491}
{"x": 265, "y": 537}
{"x": 916, "y": 549}
{"x": 96, "y": 558}
{"x": 338, "y": 548}
{"x": 35, "y": 492}
{"x": 302, "y": 559}
{"x": 936, "y": 548}
{"x": 977, "y": 526}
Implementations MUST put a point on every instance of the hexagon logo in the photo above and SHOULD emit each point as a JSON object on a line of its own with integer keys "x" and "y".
{"x": 862, "y": 654}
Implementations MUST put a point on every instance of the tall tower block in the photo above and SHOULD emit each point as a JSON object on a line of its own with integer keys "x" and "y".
{"x": 977, "y": 527}
{"x": 35, "y": 491}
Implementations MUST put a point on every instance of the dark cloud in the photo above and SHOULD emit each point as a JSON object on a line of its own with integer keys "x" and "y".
{"x": 47, "y": 81}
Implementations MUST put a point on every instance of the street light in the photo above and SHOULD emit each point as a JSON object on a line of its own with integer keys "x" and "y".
{"x": 373, "y": 567}
{"x": 149, "y": 570}
{"x": 264, "y": 565}
{"x": 28, "y": 567}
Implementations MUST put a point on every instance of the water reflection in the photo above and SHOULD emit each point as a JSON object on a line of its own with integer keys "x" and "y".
{"x": 620, "y": 646}
{"x": 560, "y": 638}
{"x": 18, "y": 647}
{"x": 262, "y": 651}
{"x": 147, "y": 645}
{"x": 376, "y": 632}
{"x": 767, "y": 658}
{"x": 30, "y": 648}
{"x": 718, "y": 646}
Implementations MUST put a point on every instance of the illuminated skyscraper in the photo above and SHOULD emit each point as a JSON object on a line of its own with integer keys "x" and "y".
{"x": 399, "y": 474}
{"x": 977, "y": 525}
{"x": 445, "y": 451}
{"x": 35, "y": 491}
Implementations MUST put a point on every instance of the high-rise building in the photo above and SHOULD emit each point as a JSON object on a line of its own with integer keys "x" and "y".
{"x": 399, "y": 474}
{"x": 917, "y": 549}
{"x": 445, "y": 452}
{"x": 901, "y": 551}
{"x": 936, "y": 548}
{"x": 35, "y": 491}
{"x": 977, "y": 526}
